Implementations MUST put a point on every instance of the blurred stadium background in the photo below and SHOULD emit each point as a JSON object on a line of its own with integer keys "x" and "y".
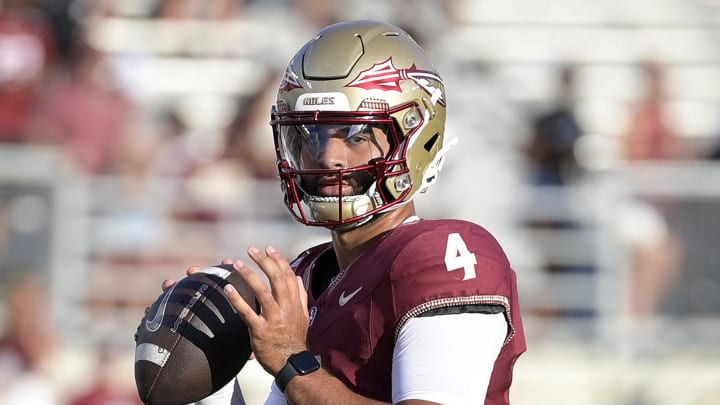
{"x": 134, "y": 143}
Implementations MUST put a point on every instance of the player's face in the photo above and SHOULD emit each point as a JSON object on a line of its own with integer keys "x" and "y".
{"x": 336, "y": 147}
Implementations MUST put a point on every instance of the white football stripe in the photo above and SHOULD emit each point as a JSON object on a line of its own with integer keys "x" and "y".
{"x": 201, "y": 326}
{"x": 152, "y": 353}
{"x": 218, "y": 271}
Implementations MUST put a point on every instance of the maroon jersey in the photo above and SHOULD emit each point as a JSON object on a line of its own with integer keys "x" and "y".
{"x": 418, "y": 268}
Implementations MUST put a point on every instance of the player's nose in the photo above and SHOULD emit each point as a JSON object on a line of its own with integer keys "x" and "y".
{"x": 334, "y": 155}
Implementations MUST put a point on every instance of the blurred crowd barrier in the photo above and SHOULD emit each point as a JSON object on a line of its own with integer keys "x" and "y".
{"x": 134, "y": 143}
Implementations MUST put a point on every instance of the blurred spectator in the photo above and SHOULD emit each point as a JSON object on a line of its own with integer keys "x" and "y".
{"x": 654, "y": 249}
{"x": 551, "y": 148}
{"x": 26, "y": 346}
{"x": 26, "y": 52}
{"x": 650, "y": 135}
{"x": 83, "y": 112}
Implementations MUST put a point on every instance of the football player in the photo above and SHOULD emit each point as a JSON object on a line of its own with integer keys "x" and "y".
{"x": 395, "y": 308}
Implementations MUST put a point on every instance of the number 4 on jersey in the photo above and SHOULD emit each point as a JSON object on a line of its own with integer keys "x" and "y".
{"x": 457, "y": 256}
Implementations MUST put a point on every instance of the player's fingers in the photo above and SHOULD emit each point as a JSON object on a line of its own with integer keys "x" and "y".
{"x": 296, "y": 297}
{"x": 192, "y": 270}
{"x": 227, "y": 261}
{"x": 279, "y": 260}
{"x": 263, "y": 292}
{"x": 276, "y": 276}
{"x": 296, "y": 292}
{"x": 247, "y": 313}
{"x": 167, "y": 283}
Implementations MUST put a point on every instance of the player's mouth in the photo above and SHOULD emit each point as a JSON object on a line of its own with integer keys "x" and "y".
{"x": 331, "y": 187}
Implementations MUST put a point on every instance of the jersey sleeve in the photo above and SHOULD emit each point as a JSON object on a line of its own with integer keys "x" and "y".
{"x": 451, "y": 265}
{"x": 475, "y": 336}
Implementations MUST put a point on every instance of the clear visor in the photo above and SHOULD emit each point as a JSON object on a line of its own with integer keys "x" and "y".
{"x": 305, "y": 146}
{"x": 334, "y": 159}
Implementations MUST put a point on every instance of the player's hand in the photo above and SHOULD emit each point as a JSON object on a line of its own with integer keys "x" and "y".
{"x": 169, "y": 282}
{"x": 280, "y": 329}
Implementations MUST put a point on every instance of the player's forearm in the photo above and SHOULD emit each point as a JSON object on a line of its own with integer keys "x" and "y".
{"x": 322, "y": 388}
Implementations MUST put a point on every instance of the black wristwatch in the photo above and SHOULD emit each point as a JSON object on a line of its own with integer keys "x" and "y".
{"x": 298, "y": 364}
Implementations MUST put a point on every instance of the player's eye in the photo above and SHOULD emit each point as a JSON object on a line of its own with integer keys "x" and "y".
{"x": 358, "y": 134}
{"x": 357, "y": 139}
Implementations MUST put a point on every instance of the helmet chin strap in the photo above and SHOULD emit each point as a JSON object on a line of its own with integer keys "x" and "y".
{"x": 434, "y": 168}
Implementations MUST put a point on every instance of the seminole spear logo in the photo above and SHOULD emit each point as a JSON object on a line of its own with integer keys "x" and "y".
{"x": 290, "y": 80}
{"x": 384, "y": 76}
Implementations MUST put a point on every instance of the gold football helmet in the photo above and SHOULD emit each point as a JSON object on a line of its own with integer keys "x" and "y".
{"x": 366, "y": 81}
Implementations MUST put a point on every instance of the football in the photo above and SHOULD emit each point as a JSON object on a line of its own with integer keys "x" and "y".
{"x": 191, "y": 341}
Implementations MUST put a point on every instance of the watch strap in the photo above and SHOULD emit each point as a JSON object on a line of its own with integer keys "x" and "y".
{"x": 283, "y": 377}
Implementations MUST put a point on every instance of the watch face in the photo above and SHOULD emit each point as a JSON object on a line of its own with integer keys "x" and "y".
{"x": 305, "y": 362}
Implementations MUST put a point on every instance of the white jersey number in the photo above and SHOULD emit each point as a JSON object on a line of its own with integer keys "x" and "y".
{"x": 457, "y": 256}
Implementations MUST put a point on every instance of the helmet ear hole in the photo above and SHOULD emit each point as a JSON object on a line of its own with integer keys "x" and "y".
{"x": 430, "y": 144}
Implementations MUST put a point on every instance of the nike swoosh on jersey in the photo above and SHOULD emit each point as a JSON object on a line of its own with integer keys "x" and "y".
{"x": 154, "y": 324}
{"x": 345, "y": 298}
